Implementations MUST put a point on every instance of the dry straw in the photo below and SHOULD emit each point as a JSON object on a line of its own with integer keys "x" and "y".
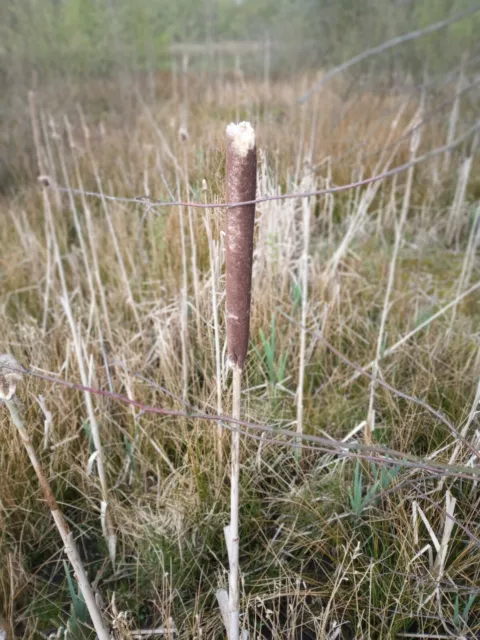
{"x": 10, "y": 375}
{"x": 241, "y": 187}
{"x": 106, "y": 518}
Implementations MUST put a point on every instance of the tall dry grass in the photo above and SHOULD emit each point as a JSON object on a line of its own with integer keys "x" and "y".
{"x": 95, "y": 290}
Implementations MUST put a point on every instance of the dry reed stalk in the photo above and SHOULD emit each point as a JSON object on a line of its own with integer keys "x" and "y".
{"x": 241, "y": 187}
{"x": 174, "y": 80}
{"x": 91, "y": 235}
{"x": 304, "y": 266}
{"x": 362, "y": 205}
{"x": 183, "y": 297}
{"x": 413, "y": 332}
{"x": 267, "y": 50}
{"x": 239, "y": 85}
{"x": 370, "y": 422}
{"x": 456, "y": 217}
{"x": 470, "y": 253}
{"x": 214, "y": 270}
{"x": 468, "y": 262}
{"x": 36, "y": 133}
{"x": 107, "y": 524}
{"x": 87, "y": 261}
{"x": 42, "y": 173}
{"x": 113, "y": 236}
{"x": 50, "y": 133}
{"x": 185, "y": 63}
{"x": 193, "y": 242}
{"x": 9, "y": 377}
{"x": 452, "y": 121}
{"x": 106, "y": 518}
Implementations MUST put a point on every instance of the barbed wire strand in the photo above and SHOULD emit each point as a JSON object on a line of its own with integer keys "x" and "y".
{"x": 358, "y": 450}
{"x": 389, "y": 44}
{"x": 48, "y": 183}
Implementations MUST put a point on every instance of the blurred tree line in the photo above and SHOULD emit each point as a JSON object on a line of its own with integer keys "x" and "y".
{"x": 96, "y": 36}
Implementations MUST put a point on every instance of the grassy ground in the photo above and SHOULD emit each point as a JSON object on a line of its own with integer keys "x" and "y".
{"x": 333, "y": 546}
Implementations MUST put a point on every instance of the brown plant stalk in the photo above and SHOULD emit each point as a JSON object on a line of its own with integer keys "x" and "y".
{"x": 241, "y": 186}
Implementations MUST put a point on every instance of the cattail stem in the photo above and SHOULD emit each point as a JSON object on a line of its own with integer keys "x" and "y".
{"x": 65, "y": 533}
{"x": 233, "y": 537}
{"x": 241, "y": 187}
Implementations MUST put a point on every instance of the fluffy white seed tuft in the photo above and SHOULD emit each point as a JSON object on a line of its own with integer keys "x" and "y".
{"x": 242, "y": 136}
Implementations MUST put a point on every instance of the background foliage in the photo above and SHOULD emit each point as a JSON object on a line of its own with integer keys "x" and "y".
{"x": 98, "y": 35}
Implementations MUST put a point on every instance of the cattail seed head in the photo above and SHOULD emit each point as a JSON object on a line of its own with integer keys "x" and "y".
{"x": 10, "y": 375}
{"x": 241, "y": 187}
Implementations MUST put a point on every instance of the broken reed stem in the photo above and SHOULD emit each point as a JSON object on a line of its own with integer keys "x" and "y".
{"x": 241, "y": 187}
{"x": 65, "y": 533}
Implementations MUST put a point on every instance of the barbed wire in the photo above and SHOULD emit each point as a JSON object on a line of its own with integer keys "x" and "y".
{"x": 389, "y": 44}
{"x": 152, "y": 203}
{"x": 270, "y": 434}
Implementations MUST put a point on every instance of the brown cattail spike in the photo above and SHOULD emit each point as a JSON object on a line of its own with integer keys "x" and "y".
{"x": 241, "y": 187}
